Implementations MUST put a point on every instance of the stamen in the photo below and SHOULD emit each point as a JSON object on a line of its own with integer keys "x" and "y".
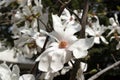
{"x": 63, "y": 44}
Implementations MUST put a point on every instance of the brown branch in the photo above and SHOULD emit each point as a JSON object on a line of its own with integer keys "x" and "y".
{"x": 104, "y": 70}
{"x": 84, "y": 18}
{"x": 76, "y": 66}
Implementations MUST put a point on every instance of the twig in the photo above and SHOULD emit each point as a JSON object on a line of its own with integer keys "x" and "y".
{"x": 43, "y": 23}
{"x": 104, "y": 70}
{"x": 113, "y": 58}
{"x": 38, "y": 28}
{"x": 76, "y": 66}
{"x": 64, "y": 5}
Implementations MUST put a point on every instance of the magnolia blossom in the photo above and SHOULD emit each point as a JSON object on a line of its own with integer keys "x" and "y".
{"x": 28, "y": 15}
{"x": 96, "y": 30}
{"x": 7, "y": 74}
{"x": 97, "y": 34}
{"x": 65, "y": 48}
{"x": 30, "y": 42}
{"x": 114, "y": 27}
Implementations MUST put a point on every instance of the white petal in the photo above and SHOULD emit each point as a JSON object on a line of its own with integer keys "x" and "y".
{"x": 34, "y": 23}
{"x": 65, "y": 14}
{"x": 4, "y": 71}
{"x": 90, "y": 31}
{"x": 82, "y": 44}
{"x": 83, "y": 66}
{"x": 44, "y": 61}
{"x": 72, "y": 28}
{"x": 97, "y": 40}
{"x": 15, "y": 72}
{"x": 77, "y": 53}
{"x": 27, "y": 77}
{"x": 58, "y": 60}
{"x": 118, "y": 46}
{"x": 103, "y": 39}
{"x": 57, "y": 24}
{"x": 26, "y": 11}
{"x": 40, "y": 41}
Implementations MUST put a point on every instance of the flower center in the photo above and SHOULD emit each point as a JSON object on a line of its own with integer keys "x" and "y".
{"x": 63, "y": 44}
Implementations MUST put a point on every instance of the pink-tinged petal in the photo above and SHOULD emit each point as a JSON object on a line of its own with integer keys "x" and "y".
{"x": 58, "y": 60}
{"x": 78, "y": 53}
{"x": 27, "y": 77}
{"x": 97, "y": 40}
{"x": 82, "y": 44}
{"x": 103, "y": 39}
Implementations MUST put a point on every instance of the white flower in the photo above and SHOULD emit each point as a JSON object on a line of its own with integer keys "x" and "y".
{"x": 96, "y": 32}
{"x": 60, "y": 52}
{"x": 29, "y": 16}
{"x": 114, "y": 27}
{"x": 7, "y": 74}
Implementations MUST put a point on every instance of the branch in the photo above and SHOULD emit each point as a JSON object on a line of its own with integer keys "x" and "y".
{"x": 76, "y": 66}
{"x": 64, "y": 5}
{"x": 84, "y": 19}
{"x": 104, "y": 70}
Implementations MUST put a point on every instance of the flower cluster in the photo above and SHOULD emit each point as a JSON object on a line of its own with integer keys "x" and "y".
{"x": 51, "y": 46}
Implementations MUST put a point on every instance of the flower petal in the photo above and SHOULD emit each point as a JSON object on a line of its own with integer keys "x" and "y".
{"x": 77, "y": 53}
{"x": 103, "y": 39}
{"x": 82, "y": 44}
{"x": 58, "y": 60}
{"x": 27, "y": 77}
{"x": 57, "y": 24}
{"x": 97, "y": 40}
